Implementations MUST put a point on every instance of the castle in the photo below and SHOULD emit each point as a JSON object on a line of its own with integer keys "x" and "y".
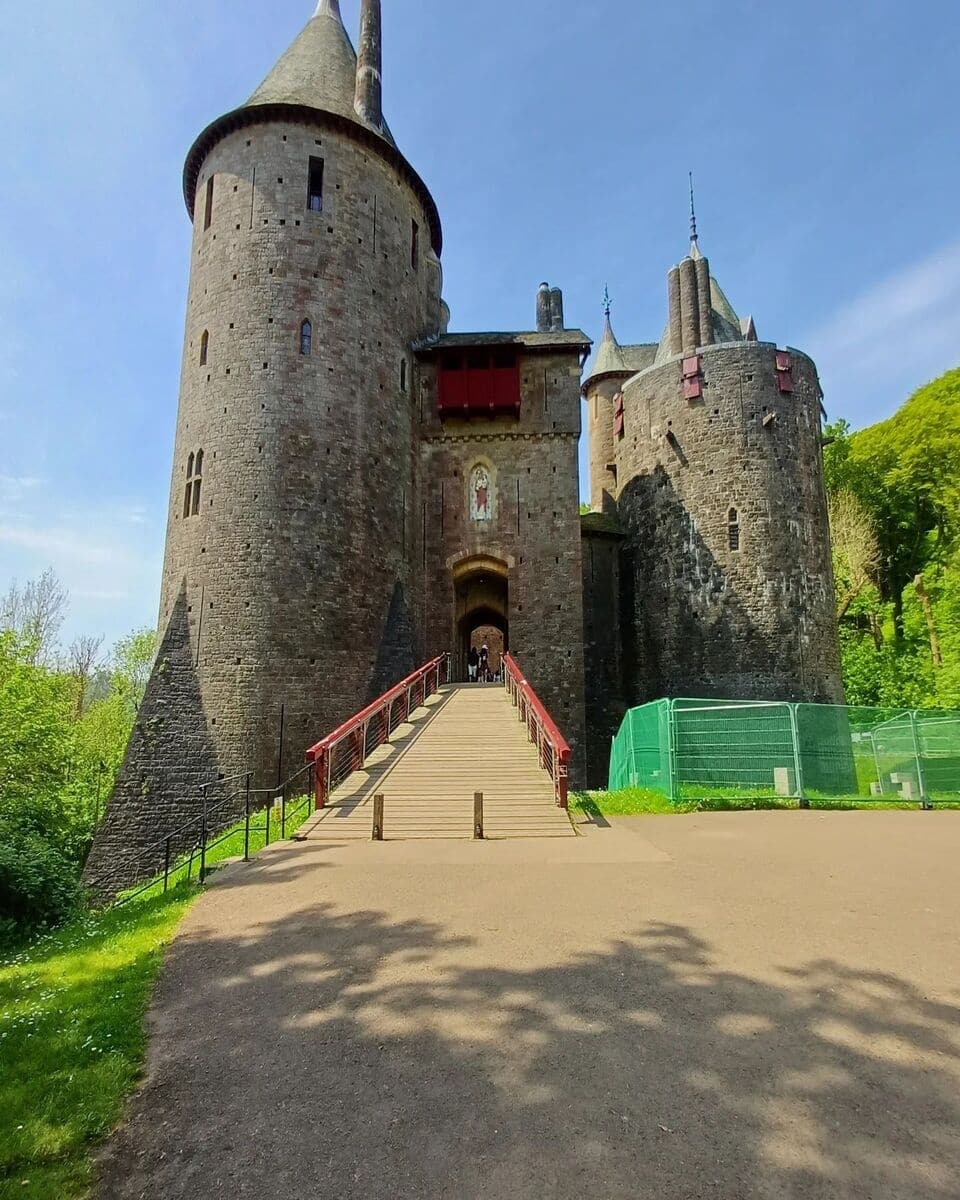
{"x": 356, "y": 489}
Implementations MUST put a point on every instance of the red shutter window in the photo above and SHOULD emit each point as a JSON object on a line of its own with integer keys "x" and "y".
{"x": 693, "y": 388}
{"x": 784, "y": 372}
{"x": 691, "y": 366}
{"x": 785, "y": 382}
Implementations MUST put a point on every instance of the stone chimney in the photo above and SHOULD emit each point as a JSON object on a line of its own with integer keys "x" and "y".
{"x": 544, "y": 307}
{"x": 549, "y": 309}
{"x": 556, "y": 310}
{"x": 369, "y": 96}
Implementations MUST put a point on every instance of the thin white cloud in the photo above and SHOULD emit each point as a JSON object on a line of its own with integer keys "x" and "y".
{"x": 898, "y": 334}
{"x": 14, "y": 487}
{"x": 61, "y": 544}
{"x": 110, "y": 568}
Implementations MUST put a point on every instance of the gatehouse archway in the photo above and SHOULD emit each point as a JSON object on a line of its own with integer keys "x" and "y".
{"x": 482, "y": 590}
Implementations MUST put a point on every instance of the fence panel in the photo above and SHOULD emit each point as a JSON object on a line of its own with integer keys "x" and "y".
{"x": 938, "y": 734}
{"x": 736, "y": 749}
{"x": 702, "y": 749}
{"x": 640, "y": 756}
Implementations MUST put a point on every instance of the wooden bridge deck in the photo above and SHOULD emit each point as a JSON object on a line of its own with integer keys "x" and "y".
{"x": 465, "y": 739}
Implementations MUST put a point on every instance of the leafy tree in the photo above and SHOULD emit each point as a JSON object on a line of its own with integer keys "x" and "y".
{"x": 62, "y": 743}
{"x": 36, "y": 711}
{"x": 35, "y": 612}
{"x": 856, "y": 552}
{"x": 900, "y": 630}
{"x": 82, "y": 658}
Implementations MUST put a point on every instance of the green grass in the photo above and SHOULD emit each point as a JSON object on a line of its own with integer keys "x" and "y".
{"x": 639, "y": 801}
{"x": 72, "y": 1038}
{"x": 72, "y": 1041}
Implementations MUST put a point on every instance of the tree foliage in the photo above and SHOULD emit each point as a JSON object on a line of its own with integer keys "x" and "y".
{"x": 65, "y": 720}
{"x": 900, "y": 611}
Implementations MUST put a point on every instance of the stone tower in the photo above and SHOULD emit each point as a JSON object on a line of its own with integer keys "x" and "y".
{"x": 611, "y": 367}
{"x": 722, "y": 578}
{"x": 288, "y": 580}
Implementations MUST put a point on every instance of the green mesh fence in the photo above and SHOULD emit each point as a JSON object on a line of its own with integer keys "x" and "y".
{"x": 641, "y": 750}
{"x": 688, "y": 749}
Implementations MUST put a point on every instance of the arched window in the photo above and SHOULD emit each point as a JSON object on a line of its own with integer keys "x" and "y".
{"x": 191, "y": 495}
{"x": 403, "y": 374}
{"x": 733, "y": 529}
{"x": 306, "y": 339}
{"x": 204, "y": 347}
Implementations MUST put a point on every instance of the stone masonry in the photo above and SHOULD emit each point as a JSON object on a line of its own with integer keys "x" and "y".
{"x": 355, "y": 489}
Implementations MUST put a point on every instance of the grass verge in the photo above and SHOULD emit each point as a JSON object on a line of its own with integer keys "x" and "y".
{"x": 641, "y": 801}
{"x": 72, "y": 1041}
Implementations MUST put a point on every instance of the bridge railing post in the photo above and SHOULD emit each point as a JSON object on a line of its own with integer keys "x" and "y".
{"x": 378, "y": 818}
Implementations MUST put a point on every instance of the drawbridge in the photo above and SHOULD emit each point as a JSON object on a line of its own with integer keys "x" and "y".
{"x": 432, "y": 759}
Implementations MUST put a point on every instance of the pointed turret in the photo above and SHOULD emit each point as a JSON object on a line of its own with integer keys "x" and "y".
{"x": 368, "y": 100}
{"x": 318, "y": 70}
{"x": 608, "y": 358}
{"x": 700, "y": 314}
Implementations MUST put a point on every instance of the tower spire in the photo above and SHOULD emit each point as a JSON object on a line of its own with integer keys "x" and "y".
{"x": 694, "y": 236}
{"x": 606, "y": 301}
{"x": 328, "y": 8}
{"x": 369, "y": 93}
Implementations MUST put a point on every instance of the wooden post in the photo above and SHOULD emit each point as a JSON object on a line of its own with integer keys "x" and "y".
{"x": 478, "y": 816}
{"x": 378, "y": 818}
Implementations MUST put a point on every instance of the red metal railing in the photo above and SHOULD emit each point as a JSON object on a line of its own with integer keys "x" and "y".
{"x": 347, "y": 748}
{"x": 552, "y": 748}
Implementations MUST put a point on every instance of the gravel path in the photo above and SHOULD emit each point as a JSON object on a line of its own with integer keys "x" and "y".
{"x": 729, "y": 1005}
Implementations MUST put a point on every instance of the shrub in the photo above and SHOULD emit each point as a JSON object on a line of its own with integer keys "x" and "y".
{"x": 38, "y": 884}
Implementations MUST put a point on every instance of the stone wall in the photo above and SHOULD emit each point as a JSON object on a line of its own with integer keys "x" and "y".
{"x": 738, "y": 607}
{"x": 599, "y": 407}
{"x": 602, "y": 642}
{"x": 533, "y": 532}
{"x": 298, "y": 577}
{"x": 170, "y": 758}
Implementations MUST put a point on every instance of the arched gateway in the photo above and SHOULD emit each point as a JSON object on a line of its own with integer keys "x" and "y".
{"x": 482, "y": 603}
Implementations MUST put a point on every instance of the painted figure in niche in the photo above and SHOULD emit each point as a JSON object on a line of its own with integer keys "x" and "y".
{"x": 481, "y": 506}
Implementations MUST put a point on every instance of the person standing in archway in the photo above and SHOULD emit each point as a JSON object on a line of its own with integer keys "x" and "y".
{"x": 484, "y": 663}
{"x": 473, "y": 661}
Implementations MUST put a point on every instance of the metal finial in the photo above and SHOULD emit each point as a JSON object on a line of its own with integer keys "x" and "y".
{"x": 694, "y": 237}
{"x": 606, "y": 300}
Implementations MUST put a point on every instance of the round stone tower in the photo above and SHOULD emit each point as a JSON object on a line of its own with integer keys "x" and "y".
{"x": 314, "y": 268}
{"x": 611, "y": 366}
{"x": 720, "y": 491}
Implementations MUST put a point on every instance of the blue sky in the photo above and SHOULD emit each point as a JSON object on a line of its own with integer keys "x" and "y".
{"x": 556, "y": 138}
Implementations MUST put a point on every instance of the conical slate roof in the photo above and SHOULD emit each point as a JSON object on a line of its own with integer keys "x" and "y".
{"x": 318, "y": 71}
{"x": 611, "y": 358}
{"x": 608, "y": 356}
{"x": 318, "y": 74}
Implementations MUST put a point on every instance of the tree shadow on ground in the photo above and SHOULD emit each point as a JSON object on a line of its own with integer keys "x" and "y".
{"x": 346, "y": 1054}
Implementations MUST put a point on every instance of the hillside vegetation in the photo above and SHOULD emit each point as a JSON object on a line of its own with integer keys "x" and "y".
{"x": 895, "y": 511}
{"x": 65, "y": 720}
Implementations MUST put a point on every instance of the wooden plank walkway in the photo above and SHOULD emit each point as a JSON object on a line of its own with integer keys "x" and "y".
{"x": 466, "y": 739}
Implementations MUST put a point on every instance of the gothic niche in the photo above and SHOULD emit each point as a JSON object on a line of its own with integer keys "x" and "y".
{"x": 481, "y": 495}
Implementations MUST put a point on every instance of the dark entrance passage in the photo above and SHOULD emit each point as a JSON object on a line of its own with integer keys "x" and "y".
{"x": 482, "y": 610}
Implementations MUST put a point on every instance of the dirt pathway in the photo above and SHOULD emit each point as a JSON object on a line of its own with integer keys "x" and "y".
{"x": 735, "y": 1005}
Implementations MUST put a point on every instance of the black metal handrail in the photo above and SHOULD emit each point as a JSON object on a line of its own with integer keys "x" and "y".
{"x": 200, "y": 845}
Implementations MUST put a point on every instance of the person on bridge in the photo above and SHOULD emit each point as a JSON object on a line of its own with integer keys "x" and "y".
{"x": 473, "y": 661}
